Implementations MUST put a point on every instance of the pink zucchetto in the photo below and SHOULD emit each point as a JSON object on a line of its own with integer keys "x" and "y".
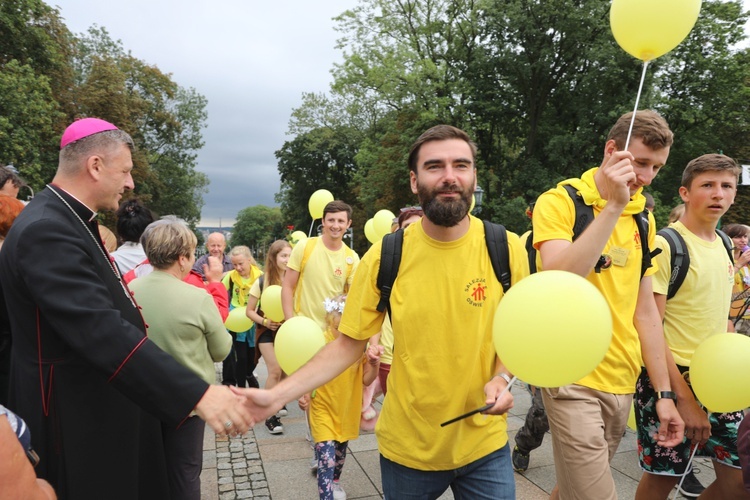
{"x": 84, "y": 128}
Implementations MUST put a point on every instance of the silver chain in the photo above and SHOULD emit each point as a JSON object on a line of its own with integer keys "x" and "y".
{"x": 98, "y": 245}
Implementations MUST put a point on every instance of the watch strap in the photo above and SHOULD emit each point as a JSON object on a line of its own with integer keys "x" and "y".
{"x": 666, "y": 395}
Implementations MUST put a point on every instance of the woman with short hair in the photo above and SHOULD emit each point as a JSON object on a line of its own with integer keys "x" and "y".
{"x": 183, "y": 321}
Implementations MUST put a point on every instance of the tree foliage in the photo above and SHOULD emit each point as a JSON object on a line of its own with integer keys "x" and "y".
{"x": 536, "y": 84}
{"x": 49, "y": 77}
{"x": 257, "y": 227}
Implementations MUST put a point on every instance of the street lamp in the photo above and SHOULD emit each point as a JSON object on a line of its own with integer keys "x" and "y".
{"x": 478, "y": 194}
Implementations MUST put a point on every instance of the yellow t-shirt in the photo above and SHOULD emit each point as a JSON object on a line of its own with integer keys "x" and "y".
{"x": 443, "y": 302}
{"x": 386, "y": 340}
{"x": 741, "y": 280}
{"x": 337, "y": 405}
{"x": 701, "y": 306}
{"x": 324, "y": 276}
{"x": 554, "y": 215}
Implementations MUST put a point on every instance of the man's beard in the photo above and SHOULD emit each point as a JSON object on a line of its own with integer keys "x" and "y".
{"x": 446, "y": 213}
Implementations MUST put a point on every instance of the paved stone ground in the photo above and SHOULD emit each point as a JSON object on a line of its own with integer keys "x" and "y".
{"x": 260, "y": 465}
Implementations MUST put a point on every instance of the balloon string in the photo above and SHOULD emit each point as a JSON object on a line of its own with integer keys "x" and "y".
{"x": 309, "y": 233}
{"x": 637, "y": 100}
{"x": 507, "y": 388}
{"x": 687, "y": 469}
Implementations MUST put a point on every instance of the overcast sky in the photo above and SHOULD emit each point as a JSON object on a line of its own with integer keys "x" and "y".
{"x": 252, "y": 60}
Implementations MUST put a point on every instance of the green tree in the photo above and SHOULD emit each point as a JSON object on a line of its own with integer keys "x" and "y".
{"x": 537, "y": 84}
{"x": 27, "y": 116}
{"x": 37, "y": 87}
{"x": 319, "y": 159}
{"x": 257, "y": 227}
{"x": 164, "y": 119}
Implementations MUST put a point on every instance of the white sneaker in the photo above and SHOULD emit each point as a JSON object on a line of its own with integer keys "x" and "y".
{"x": 338, "y": 491}
{"x": 282, "y": 412}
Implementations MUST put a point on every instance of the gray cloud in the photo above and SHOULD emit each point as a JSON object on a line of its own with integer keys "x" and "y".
{"x": 252, "y": 61}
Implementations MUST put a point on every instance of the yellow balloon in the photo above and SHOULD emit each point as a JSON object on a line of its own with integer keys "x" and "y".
{"x": 381, "y": 222}
{"x": 237, "y": 320}
{"x": 296, "y": 342}
{"x": 647, "y": 29}
{"x": 370, "y": 231}
{"x": 720, "y": 372}
{"x": 552, "y": 328}
{"x": 270, "y": 302}
{"x": 318, "y": 201}
{"x": 298, "y": 236}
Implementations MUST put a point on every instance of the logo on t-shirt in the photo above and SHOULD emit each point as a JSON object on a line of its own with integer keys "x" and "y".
{"x": 476, "y": 292}
{"x": 338, "y": 272}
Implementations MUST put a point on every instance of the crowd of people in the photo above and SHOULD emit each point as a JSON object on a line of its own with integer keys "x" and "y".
{"x": 108, "y": 353}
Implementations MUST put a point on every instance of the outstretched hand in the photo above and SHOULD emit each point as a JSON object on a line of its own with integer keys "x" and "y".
{"x": 258, "y": 403}
{"x": 224, "y": 411}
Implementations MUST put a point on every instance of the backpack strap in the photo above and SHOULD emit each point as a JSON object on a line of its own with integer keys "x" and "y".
{"x": 641, "y": 220}
{"x": 309, "y": 247}
{"x": 727, "y": 243}
{"x": 390, "y": 259}
{"x": 679, "y": 259}
{"x": 531, "y": 253}
{"x": 496, "y": 238}
{"x": 584, "y": 215}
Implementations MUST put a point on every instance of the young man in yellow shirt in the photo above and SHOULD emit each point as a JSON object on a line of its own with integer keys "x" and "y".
{"x": 588, "y": 418}
{"x": 698, "y": 310}
{"x": 444, "y": 362}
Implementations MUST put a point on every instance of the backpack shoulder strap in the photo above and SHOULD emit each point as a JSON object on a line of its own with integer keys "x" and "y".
{"x": 727, "y": 243}
{"x": 679, "y": 259}
{"x": 641, "y": 220}
{"x": 390, "y": 259}
{"x": 496, "y": 238}
{"x": 531, "y": 253}
{"x": 584, "y": 214}
{"x": 309, "y": 247}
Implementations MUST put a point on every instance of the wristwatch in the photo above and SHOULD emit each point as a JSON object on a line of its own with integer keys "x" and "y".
{"x": 666, "y": 395}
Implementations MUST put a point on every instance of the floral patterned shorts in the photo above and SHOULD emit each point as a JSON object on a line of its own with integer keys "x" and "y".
{"x": 721, "y": 446}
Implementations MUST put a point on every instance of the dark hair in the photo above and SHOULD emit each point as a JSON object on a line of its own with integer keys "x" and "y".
{"x": 649, "y": 200}
{"x": 736, "y": 230}
{"x": 132, "y": 220}
{"x": 439, "y": 133}
{"x": 709, "y": 163}
{"x": 6, "y": 174}
{"x": 649, "y": 126}
{"x": 407, "y": 213}
{"x": 337, "y": 206}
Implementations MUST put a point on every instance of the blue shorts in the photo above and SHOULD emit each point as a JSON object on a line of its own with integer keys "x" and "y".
{"x": 721, "y": 446}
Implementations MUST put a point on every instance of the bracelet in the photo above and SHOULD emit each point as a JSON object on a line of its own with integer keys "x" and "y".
{"x": 666, "y": 395}
{"x": 264, "y": 321}
{"x": 503, "y": 376}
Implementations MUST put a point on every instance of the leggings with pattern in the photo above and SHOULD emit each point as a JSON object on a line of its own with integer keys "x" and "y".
{"x": 331, "y": 456}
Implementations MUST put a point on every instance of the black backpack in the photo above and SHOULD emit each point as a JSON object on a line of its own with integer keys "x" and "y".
{"x": 584, "y": 215}
{"x": 390, "y": 258}
{"x": 679, "y": 260}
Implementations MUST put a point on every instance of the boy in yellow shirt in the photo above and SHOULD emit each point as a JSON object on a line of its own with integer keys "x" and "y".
{"x": 698, "y": 309}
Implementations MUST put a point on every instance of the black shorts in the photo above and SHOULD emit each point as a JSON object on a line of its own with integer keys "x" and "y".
{"x": 266, "y": 337}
